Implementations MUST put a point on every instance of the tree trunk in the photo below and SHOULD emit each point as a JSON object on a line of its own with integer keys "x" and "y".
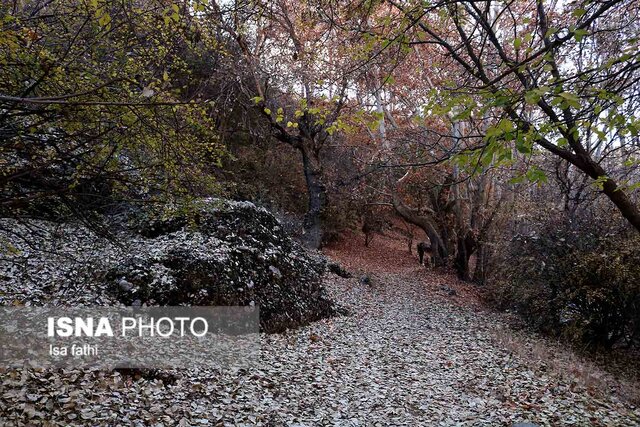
{"x": 438, "y": 247}
{"x": 317, "y": 192}
{"x": 463, "y": 251}
{"x": 466, "y": 246}
{"x": 622, "y": 201}
{"x": 480, "y": 273}
{"x": 462, "y": 261}
{"x": 617, "y": 195}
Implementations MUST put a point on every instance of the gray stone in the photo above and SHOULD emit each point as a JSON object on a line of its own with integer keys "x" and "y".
{"x": 227, "y": 253}
{"x": 125, "y": 285}
{"x": 275, "y": 271}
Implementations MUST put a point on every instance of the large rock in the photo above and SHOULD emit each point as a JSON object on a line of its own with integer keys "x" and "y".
{"x": 223, "y": 253}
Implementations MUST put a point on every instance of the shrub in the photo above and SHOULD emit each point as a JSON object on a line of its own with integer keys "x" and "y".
{"x": 572, "y": 280}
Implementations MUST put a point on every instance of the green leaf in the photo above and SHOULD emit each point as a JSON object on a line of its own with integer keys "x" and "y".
{"x": 463, "y": 115}
{"x": 517, "y": 179}
{"x": 507, "y": 125}
{"x": 633, "y": 187}
{"x": 579, "y": 34}
{"x": 601, "y": 135}
{"x": 536, "y": 175}
{"x": 532, "y": 97}
{"x": 517, "y": 43}
{"x": 492, "y": 132}
{"x": 104, "y": 20}
{"x": 599, "y": 183}
{"x": 570, "y": 99}
{"x": 522, "y": 145}
{"x": 578, "y": 13}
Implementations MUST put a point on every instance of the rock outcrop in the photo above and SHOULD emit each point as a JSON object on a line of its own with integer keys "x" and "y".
{"x": 223, "y": 253}
{"x": 219, "y": 253}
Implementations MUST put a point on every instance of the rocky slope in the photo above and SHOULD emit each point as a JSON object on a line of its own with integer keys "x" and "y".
{"x": 218, "y": 253}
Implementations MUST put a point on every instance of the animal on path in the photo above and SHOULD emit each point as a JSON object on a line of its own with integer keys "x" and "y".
{"x": 425, "y": 249}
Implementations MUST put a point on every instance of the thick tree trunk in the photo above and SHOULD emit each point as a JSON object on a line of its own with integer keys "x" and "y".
{"x": 462, "y": 261}
{"x": 583, "y": 161}
{"x": 463, "y": 251}
{"x": 480, "y": 272}
{"x": 438, "y": 247}
{"x": 617, "y": 195}
{"x": 622, "y": 201}
{"x": 317, "y": 191}
{"x": 466, "y": 246}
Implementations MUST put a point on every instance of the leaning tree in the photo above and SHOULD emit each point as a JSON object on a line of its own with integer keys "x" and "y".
{"x": 561, "y": 78}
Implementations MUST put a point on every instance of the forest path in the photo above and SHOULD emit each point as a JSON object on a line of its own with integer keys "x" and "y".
{"x": 409, "y": 354}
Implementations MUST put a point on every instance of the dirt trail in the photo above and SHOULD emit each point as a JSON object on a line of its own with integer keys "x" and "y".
{"x": 410, "y": 354}
{"x": 460, "y": 363}
{"x": 388, "y": 256}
